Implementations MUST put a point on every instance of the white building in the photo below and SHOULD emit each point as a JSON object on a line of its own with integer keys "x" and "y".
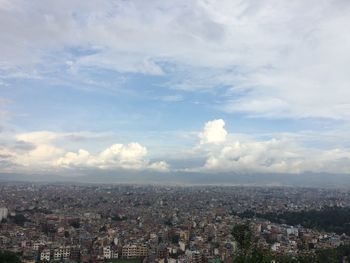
{"x": 3, "y": 213}
{"x": 57, "y": 254}
{"x": 276, "y": 246}
{"x": 45, "y": 255}
{"x": 292, "y": 231}
{"x": 61, "y": 253}
{"x": 182, "y": 245}
{"x": 107, "y": 252}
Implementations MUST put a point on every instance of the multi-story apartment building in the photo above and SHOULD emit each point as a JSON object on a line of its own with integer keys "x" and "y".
{"x": 45, "y": 255}
{"x": 134, "y": 251}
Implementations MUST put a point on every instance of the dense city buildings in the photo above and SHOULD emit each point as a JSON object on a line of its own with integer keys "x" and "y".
{"x": 107, "y": 223}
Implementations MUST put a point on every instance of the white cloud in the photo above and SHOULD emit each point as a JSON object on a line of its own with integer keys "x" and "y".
{"x": 41, "y": 154}
{"x": 40, "y": 157}
{"x": 256, "y": 157}
{"x": 161, "y": 166}
{"x": 71, "y": 159}
{"x": 213, "y": 132}
{"x": 286, "y": 154}
{"x": 44, "y": 154}
{"x": 5, "y": 154}
{"x": 131, "y": 157}
{"x": 127, "y": 156}
{"x": 216, "y": 151}
{"x": 284, "y": 58}
{"x": 132, "y": 151}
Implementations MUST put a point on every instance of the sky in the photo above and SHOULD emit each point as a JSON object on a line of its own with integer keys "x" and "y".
{"x": 174, "y": 88}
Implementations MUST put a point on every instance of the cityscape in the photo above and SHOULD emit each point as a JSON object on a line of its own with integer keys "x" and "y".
{"x": 140, "y": 223}
{"x": 186, "y": 131}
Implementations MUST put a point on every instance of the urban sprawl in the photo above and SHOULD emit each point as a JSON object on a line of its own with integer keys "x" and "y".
{"x": 107, "y": 223}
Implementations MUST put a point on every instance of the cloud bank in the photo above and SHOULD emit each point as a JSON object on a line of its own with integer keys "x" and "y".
{"x": 44, "y": 155}
{"x": 219, "y": 150}
{"x": 225, "y": 152}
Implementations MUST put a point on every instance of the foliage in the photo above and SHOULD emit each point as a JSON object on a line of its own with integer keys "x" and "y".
{"x": 320, "y": 256}
{"x": 19, "y": 219}
{"x": 175, "y": 239}
{"x": 9, "y": 257}
{"x": 119, "y": 218}
{"x": 330, "y": 219}
{"x": 243, "y": 235}
{"x": 256, "y": 256}
{"x": 248, "y": 253}
{"x": 75, "y": 224}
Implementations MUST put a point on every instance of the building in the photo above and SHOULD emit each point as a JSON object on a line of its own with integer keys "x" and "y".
{"x": 107, "y": 254}
{"x": 45, "y": 255}
{"x": 65, "y": 252}
{"x": 196, "y": 257}
{"x": 57, "y": 254}
{"x": 75, "y": 253}
{"x": 3, "y": 213}
{"x": 134, "y": 251}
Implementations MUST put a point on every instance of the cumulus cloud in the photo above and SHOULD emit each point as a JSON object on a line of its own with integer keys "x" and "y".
{"x": 257, "y": 156}
{"x": 42, "y": 150}
{"x": 41, "y": 156}
{"x": 275, "y": 155}
{"x": 129, "y": 153}
{"x": 71, "y": 159}
{"x": 41, "y": 153}
{"x": 216, "y": 151}
{"x": 131, "y": 156}
{"x": 213, "y": 132}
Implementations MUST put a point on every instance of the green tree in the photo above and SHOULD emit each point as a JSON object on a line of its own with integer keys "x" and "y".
{"x": 9, "y": 257}
{"x": 248, "y": 252}
{"x": 260, "y": 256}
{"x": 326, "y": 256}
{"x": 243, "y": 236}
{"x": 256, "y": 256}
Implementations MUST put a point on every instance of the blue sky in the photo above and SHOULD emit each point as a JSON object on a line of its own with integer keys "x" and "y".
{"x": 174, "y": 87}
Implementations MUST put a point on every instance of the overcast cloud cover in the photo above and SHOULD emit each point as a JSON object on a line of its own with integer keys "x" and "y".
{"x": 175, "y": 87}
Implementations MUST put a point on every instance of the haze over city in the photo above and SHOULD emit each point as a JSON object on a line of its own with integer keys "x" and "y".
{"x": 183, "y": 92}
